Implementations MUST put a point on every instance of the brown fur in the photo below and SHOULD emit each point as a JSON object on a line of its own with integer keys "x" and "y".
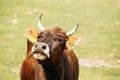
{"x": 30, "y": 69}
{"x": 62, "y": 65}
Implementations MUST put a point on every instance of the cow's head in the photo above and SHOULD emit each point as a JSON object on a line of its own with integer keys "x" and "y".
{"x": 49, "y": 44}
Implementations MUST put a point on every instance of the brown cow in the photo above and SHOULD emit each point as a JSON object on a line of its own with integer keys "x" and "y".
{"x": 48, "y": 56}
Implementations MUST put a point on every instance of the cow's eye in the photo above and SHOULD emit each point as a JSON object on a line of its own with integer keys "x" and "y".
{"x": 58, "y": 39}
{"x": 40, "y": 36}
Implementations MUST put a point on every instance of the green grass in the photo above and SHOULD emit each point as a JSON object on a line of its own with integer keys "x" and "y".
{"x": 99, "y": 73}
{"x": 99, "y": 30}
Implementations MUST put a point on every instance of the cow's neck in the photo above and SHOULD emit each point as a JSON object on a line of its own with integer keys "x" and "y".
{"x": 29, "y": 47}
{"x": 54, "y": 72}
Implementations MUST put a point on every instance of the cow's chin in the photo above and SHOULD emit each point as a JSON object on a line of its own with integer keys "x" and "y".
{"x": 39, "y": 56}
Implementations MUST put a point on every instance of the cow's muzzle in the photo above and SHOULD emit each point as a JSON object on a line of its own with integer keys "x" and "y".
{"x": 40, "y": 51}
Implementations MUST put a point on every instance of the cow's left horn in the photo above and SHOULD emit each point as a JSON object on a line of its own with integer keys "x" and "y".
{"x": 72, "y": 31}
{"x": 39, "y": 23}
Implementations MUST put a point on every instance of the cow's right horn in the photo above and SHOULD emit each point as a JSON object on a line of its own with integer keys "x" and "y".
{"x": 39, "y": 23}
{"x": 72, "y": 31}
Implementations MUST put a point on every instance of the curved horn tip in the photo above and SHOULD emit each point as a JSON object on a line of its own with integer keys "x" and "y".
{"x": 39, "y": 23}
{"x": 72, "y": 31}
{"x": 76, "y": 26}
{"x": 40, "y": 16}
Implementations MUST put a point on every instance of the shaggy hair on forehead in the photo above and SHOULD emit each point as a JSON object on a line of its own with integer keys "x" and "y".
{"x": 60, "y": 30}
{"x": 56, "y": 30}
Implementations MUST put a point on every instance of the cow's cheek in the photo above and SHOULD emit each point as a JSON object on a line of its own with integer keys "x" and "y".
{"x": 56, "y": 50}
{"x": 54, "y": 47}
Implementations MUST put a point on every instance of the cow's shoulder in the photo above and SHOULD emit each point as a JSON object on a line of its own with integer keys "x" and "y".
{"x": 73, "y": 63}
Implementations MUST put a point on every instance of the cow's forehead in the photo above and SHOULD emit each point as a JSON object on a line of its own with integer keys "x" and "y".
{"x": 55, "y": 31}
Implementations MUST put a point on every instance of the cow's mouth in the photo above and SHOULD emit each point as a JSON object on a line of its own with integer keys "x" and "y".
{"x": 40, "y": 51}
{"x": 39, "y": 55}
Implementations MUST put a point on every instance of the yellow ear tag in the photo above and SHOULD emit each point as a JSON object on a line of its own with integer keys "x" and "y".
{"x": 31, "y": 34}
{"x": 72, "y": 41}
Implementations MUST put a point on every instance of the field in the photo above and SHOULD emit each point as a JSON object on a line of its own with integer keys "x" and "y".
{"x": 99, "y": 30}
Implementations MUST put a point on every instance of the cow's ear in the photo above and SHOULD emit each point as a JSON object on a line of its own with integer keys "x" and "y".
{"x": 72, "y": 41}
{"x": 31, "y": 34}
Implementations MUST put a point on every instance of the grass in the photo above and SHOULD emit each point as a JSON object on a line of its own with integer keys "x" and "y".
{"x": 101, "y": 73}
{"x": 99, "y": 30}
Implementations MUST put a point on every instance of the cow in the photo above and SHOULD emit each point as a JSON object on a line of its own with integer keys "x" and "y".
{"x": 49, "y": 55}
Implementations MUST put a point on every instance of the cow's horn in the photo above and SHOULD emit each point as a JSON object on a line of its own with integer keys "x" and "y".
{"x": 39, "y": 23}
{"x": 72, "y": 31}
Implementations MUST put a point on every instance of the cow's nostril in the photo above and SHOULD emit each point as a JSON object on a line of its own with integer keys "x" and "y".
{"x": 44, "y": 47}
{"x": 36, "y": 45}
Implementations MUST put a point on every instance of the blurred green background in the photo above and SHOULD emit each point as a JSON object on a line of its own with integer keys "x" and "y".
{"x": 99, "y": 29}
